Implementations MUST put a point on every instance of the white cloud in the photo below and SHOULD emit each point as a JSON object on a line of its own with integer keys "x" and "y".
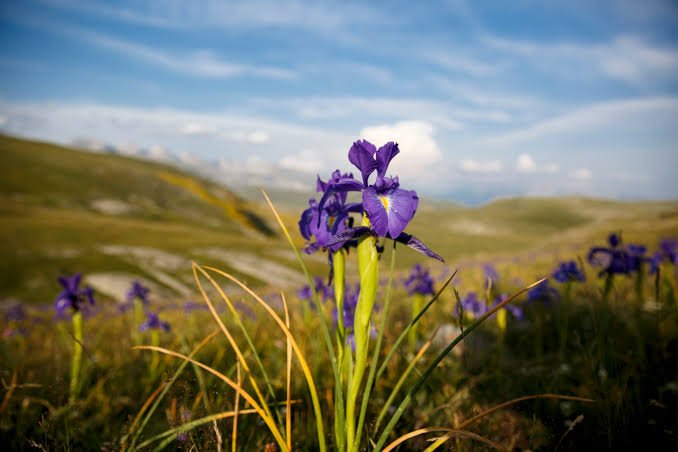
{"x": 474, "y": 166}
{"x": 258, "y": 137}
{"x": 128, "y": 148}
{"x": 526, "y": 164}
{"x": 551, "y": 168}
{"x": 581, "y": 174}
{"x": 157, "y": 152}
{"x": 194, "y": 128}
{"x": 418, "y": 148}
{"x": 307, "y": 161}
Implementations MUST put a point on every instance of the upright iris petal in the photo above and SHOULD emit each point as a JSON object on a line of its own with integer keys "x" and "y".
{"x": 361, "y": 155}
{"x": 384, "y": 156}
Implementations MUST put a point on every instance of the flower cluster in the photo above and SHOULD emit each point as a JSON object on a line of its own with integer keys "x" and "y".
{"x": 569, "y": 271}
{"x": 419, "y": 282}
{"x": 72, "y": 296}
{"x": 543, "y": 293}
{"x": 476, "y": 307}
{"x": 327, "y": 223}
{"x": 153, "y": 322}
{"x": 617, "y": 259}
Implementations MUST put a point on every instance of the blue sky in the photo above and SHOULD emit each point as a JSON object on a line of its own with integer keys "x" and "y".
{"x": 486, "y": 98}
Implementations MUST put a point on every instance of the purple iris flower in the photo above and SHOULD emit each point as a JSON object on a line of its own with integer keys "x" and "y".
{"x": 154, "y": 322}
{"x": 471, "y": 303}
{"x": 490, "y": 273}
{"x": 388, "y": 207}
{"x": 612, "y": 260}
{"x": 138, "y": 291}
{"x": 668, "y": 249}
{"x": 568, "y": 271}
{"x": 326, "y": 292}
{"x": 543, "y": 293}
{"x": 72, "y": 295}
{"x": 419, "y": 282}
{"x": 516, "y": 311}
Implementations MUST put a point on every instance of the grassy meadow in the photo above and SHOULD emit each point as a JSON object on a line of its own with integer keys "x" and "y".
{"x": 611, "y": 344}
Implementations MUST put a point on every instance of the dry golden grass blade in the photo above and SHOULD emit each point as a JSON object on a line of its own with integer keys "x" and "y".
{"x": 450, "y": 431}
{"x": 288, "y": 403}
{"x": 477, "y": 417}
{"x": 234, "y": 436}
{"x": 268, "y": 420}
{"x": 236, "y": 348}
{"x": 8, "y": 394}
{"x": 297, "y": 351}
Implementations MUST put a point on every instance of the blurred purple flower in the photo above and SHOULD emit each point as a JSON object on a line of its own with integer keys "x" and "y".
{"x": 568, "y": 271}
{"x": 668, "y": 250}
{"x": 419, "y": 282}
{"x": 323, "y": 290}
{"x": 16, "y": 313}
{"x": 138, "y": 291}
{"x": 515, "y": 310}
{"x": 472, "y": 304}
{"x": 72, "y": 296}
{"x": 543, "y": 293}
{"x": 154, "y": 322}
{"x": 490, "y": 274}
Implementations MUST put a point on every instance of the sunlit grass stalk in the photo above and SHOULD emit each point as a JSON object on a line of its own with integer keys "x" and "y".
{"x": 159, "y": 394}
{"x": 429, "y": 370}
{"x": 368, "y": 268}
{"x": 236, "y": 317}
{"x": 338, "y": 390}
{"x": 76, "y": 361}
{"x": 297, "y": 351}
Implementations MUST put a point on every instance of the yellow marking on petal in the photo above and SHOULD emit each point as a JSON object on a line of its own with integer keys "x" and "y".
{"x": 384, "y": 201}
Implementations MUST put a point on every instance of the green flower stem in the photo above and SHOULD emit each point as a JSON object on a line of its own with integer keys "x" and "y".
{"x": 368, "y": 268}
{"x": 77, "y": 356}
{"x": 375, "y": 354}
{"x": 138, "y": 320}
{"x": 155, "y": 360}
{"x": 608, "y": 287}
{"x": 339, "y": 270}
{"x": 412, "y": 336}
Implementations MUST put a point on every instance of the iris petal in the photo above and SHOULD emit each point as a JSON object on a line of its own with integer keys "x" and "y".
{"x": 402, "y": 204}
{"x": 376, "y": 211}
{"x": 361, "y": 155}
{"x": 384, "y": 156}
{"x": 418, "y": 245}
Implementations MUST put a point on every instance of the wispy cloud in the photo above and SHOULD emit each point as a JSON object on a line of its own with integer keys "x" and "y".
{"x": 476, "y": 166}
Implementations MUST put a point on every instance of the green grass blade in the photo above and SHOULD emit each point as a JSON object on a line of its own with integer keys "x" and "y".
{"x": 405, "y": 332}
{"x": 418, "y": 384}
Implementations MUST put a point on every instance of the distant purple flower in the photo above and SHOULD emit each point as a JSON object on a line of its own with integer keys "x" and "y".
{"x": 388, "y": 207}
{"x": 324, "y": 291}
{"x": 543, "y": 293}
{"x": 612, "y": 260}
{"x": 490, "y": 274}
{"x": 16, "y": 313}
{"x": 636, "y": 257}
{"x": 472, "y": 304}
{"x": 138, "y": 291}
{"x": 419, "y": 282}
{"x": 515, "y": 310}
{"x": 568, "y": 271}
{"x": 191, "y": 306}
{"x": 668, "y": 250}
{"x": 154, "y": 322}
{"x": 72, "y": 296}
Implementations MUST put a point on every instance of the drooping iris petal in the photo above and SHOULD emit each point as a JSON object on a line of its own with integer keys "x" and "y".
{"x": 306, "y": 219}
{"x": 361, "y": 155}
{"x": 384, "y": 156}
{"x": 418, "y": 245}
{"x": 348, "y": 234}
{"x": 391, "y": 211}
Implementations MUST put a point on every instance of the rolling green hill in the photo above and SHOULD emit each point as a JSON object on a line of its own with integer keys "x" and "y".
{"x": 117, "y": 218}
